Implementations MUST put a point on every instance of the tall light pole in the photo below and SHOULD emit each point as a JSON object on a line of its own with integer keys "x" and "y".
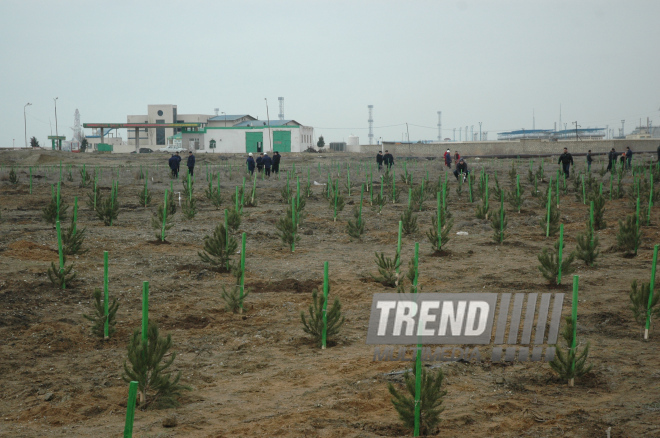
{"x": 225, "y": 118}
{"x": 25, "y": 122}
{"x": 59, "y": 145}
{"x": 268, "y": 117}
{"x": 480, "y": 137}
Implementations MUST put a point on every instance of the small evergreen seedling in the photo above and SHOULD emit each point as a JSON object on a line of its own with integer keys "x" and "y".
{"x": 499, "y": 224}
{"x": 419, "y": 195}
{"x": 60, "y": 279}
{"x": 233, "y": 219}
{"x": 430, "y": 399}
{"x": 189, "y": 207}
{"x": 355, "y": 228}
{"x": 69, "y": 176}
{"x": 570, "y": 365}
{"x": 286, "y": 231}
{"x": 49, "y": 213}
{"x": 13, "y": 178}
{"x": 216, "y": 199}
{"x": 629, "y": 236}
{"x": 107, "y": 209}
{"x": 232, "y": 296}
{"x": 483, "y": 209}
{"x": 98, "y": 318}
{"x": 599, "y": 211}
{"x": 313, "y": 325}
{"x": 144, "y": 196}
{"x": 93, "y": 198}
{"x": 409, "y": 222}
{"x": 85, "y": 178}
{"x": 285, "y": 193}
{"x": 549, "y": 260}
{"x": 387, "y": 268}
{"x": 513, "y": 174}
{"x": 336, "y": 204}
{"x": 147, "y": 366}
{"x": 587, "y": 247}
{"x": 554, "y": 220}
{"x": 639, "y": 302}
{"x": 379, "y": 203}
{"x": 73, "y": 239}
{"x": 157, "y": 223}
{"x": 432, "y": 233}
{"x": 515, "y": 199}
{"x": 219, "y": 248}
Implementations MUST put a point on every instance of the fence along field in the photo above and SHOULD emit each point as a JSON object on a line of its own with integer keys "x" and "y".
{"x": 290, "y": 225}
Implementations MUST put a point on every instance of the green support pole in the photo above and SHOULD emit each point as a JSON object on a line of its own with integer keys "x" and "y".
{"x": 560, "y": 252}
{"x": 648, "y": 218}
{"x": 243, "y": 195}
{"x": 162, "y": 230}
{"x": 470, "y": 186}
{"x": 584, "y": 195}
{"x": 75, "y": 214}
{"x": 325, "y": 306}
{"x": 145, "y": 310}
{"x": 227, "y": 233}
{"x": 295, "y": 225}
{"x": 398, "y": 244}
{"x": 236, "y": 198}
{"x": 557, "y": 182}
{"x": 361, "y": 197}
{"x": 242, "y": 269}
{"x": 348, "y": 180}
{"x": 611, "y": 179}
{"x": 106, "y": 327}
{"x": 30, "y": 180}
{"x": 130, "y": 409}
{"x": 501, "y": 216}
{"x": 574, "y": 318}
{"x": 591, "y": 216}
{"x": 651, "y": 287}
{"x": 439, "y": 220}
{"x": 58, "y": 199}
{"x": 393, "y": 186}
{"x": 547, "y": 225}
{"x": 59, "y": 249}
{"x": 420, "y": 204}
{"x": 637, "y": 214}
{"x": 418, "y": 358}
{"x": 409, "y": 197}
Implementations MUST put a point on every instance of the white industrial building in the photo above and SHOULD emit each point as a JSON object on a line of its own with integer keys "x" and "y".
{"x": 224, "y": 133}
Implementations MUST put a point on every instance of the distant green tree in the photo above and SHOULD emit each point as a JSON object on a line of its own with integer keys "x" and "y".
{"x": 321, "y": 142}
{"x": 34, "y": 142}
{"x": 83, "y": 145}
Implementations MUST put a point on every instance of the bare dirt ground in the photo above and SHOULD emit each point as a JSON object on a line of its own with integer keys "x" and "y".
{"x": 258, "y": 374}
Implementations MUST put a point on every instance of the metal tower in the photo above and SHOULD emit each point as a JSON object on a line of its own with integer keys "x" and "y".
{"x": 281, "y": 114}
{"x": 371, "y": 124}
{"x": 77, "y": 129}
{"x": 439, "y": 125}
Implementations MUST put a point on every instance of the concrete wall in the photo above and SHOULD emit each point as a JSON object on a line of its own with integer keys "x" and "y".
{"x": 520, "y": 147}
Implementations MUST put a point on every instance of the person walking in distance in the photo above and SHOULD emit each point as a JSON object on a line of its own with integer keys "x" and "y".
{"x": 566, "y": 160}
{"x": 172, "y": 164}
{"x": 457, "y": 157}
{"x": 276, "y": 162}
{"x": 250, "y": 163}
{"x": 629, "y": 155}
{"x": 611, "y": 158}
{"x": 589, "y": 160}
{"x": 260, "y": 162}
{"x": 447, "y": 157}
{"x": 388, "y": 160}
{"x": 177, "y": 157}
{"x": 267, "y": 162}
{"x": 191, "y": 163}
{"x": 379, "y": 159}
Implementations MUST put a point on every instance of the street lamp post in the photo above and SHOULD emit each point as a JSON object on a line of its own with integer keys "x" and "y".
{"x": 25, "y": 122}
{"x": 59, "y": 145}
{"x": 480, "y": 137}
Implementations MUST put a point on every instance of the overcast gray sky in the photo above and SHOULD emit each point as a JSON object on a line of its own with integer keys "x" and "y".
{"x": 492, "y": 61}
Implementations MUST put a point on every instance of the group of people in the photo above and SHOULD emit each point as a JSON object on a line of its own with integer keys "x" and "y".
{"x": 175, "y": 162}
{"x": 387, "y": 159}
{"x": 625, "y": 158}
{"x": 264, "y": 163}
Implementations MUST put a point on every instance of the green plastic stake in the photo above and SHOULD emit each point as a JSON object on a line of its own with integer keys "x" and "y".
{"x": 591, "y": 216}
{"x": 611, "y": 179}
{"x": 325, "y": 306}
{"x": 648, "y": 218}
{"x": 557, "y": 182}
{"x": 162, "y": 230}
{"x": 58, "y": 200}
{"x": 361, "y": 198}
{"x": 106, "y": 334}
{"x": 236, "y": 198}
{"x": 348, "y": 181}
{"x": 398, "y": 243}
{"x": 295, "y": 225}
{"x": 470, "y": 186}
{"x": 146, "y": 181}
{"x": 574, "y": 318}
{"x": 651, "y": 287}
{"x": 501, "y": 216}
{"x": 75, "y": 214}
{"x": 547, "y": 225}
{"x": 438, "y": 195}
{"x": 393, "y": 186}
{"x": 409, "y": 197}
{"x": 189, "y": 188}
{"x": 336, "y": 194}
{"x": 242, "y": 269}
{"x": 59, "y": 248}
{"x": 30, "y": 180}
{"x": 584, "y": 195}
{"x": 130, "y": 409}
{"x": 559, "y": 252}
{"x": 227, "y": 233}
{"x": 637, "y": 214}
{"x": 418, "y": 359}
{"x": 145, "y": 310}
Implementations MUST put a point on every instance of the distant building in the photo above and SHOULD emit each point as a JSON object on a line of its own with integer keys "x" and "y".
{"x": 228, "y": 133}
{"x": 552, "y": 135}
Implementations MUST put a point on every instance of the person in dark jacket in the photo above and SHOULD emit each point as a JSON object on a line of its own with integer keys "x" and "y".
{"x": 628, "y": 157}
{"x": 191, "y": 163}
{"x": 177, "y": 157}
{"x": 659, "y": 152}
{"x": 172, "y": 164}
{"x": 276, "y": 162}
{"x": 379, "y": 159}
{"x": 566, "y": 160}
{"x": 611, "y": 158}
{"x": 267, "y": 162}
{"x": 589, "y": 160}
{"x": 388, "y": 160}
{"x": 250, "y": 163}
{"x": 260, "y": 162}
{"x": 461, "y": 168}
{"x": 448, "y": 159}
